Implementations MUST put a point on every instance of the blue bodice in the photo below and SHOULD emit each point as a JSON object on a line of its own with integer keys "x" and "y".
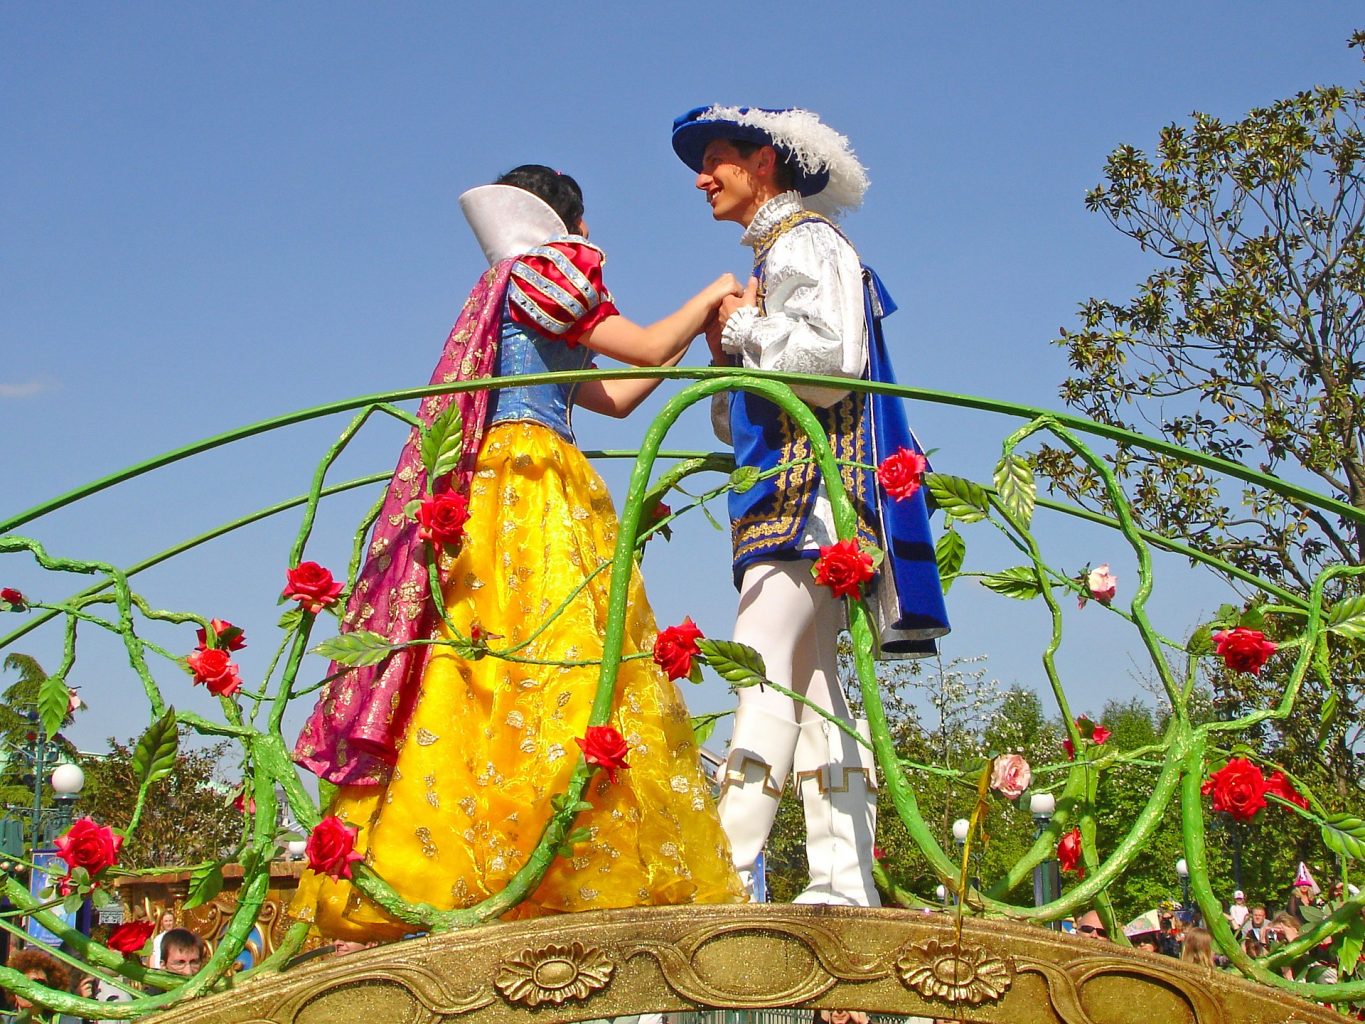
{"x": 521, "y": 350}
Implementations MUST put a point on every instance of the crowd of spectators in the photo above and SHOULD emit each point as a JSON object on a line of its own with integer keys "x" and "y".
{"x": 173, "y": 949}
{"x": 1178, "y": 932}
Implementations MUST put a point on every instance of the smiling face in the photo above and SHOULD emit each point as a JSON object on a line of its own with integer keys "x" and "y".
{"x": 737, "y": 185}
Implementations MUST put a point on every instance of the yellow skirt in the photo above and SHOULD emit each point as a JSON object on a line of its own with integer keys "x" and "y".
{"x": 492, "y": 741}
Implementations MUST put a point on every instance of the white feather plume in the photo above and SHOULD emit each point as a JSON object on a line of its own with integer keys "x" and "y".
{"x": 815, "y": 146}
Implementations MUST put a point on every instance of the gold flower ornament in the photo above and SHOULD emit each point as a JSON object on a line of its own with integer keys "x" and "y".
{"x": 554, "y": 974}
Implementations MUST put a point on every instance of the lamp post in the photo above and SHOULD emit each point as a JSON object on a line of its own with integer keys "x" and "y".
{"x": 1046, "y": 877}
{"x": 1183, "y": 870}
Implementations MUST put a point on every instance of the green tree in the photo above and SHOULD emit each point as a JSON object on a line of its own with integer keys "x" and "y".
{"x": 1245, "y": 342}
{"x": 188, "y": 818}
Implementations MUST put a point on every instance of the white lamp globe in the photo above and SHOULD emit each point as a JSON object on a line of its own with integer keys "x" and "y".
{"x": 296, "y": 848}
{"x": 942, "y": 893}
{"x": 1182, "y": 869}
{"x": 960, "y": 829}
{"x": 1042, "y": 805}
{"x": 68, "y": 779}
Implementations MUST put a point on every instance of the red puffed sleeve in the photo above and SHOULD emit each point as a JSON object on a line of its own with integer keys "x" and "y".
{"x": 556, "y": 289}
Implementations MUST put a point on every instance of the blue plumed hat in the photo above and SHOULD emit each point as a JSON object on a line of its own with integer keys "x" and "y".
{"x": 827, "y": 173}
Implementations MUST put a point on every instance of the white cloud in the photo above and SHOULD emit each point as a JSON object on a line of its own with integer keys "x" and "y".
{"x": 25, "y": 390}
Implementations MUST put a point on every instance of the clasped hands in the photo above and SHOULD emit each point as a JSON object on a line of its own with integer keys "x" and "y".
{"x": 731, "y": 299}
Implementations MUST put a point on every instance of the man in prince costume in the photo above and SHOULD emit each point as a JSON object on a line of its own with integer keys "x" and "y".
{"x": 810, "y": 308}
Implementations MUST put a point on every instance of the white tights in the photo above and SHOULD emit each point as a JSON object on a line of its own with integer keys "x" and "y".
{"x": 794, "y": 624}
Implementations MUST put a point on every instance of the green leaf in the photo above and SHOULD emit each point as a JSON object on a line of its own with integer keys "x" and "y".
{"x": 963, "y": 500}
{"x": 743, "y": 478}
{"x": 710, "y": 518}
{"x": 1020, "y": 583}
{"x": 72, "y": 903}
{"x": 412, "y": 508}
{"x": 1351, "y": 945}
{"x": 1252, "y": 618}
{"x": 290, "y": 620}
{"x": 738, "y": 664}
{"x": 441, "y": 444}
{"x": 205, "y": 883}
{"x": 100, "y": 898}
{"x": 704, "y": 725}
{"x": 156, "y": 750}
{"x": 1344, "y": 834}
{"x": 360, "y": 647}
{"x": 53, "y": 700}
{"x": 1200, "y": 642}
{"x": 1347, "y": 618}
{"x": 1016, "y": 488}
{"x": 949, "y": 552}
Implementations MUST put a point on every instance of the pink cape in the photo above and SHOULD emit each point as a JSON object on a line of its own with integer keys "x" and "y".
{"x": 352, "y": 736}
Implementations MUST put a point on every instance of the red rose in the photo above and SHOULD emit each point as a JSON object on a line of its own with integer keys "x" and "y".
{"x": 1096, "y": 734}
{"x": 605, "y": 747}
{"x": 902, "y": 472}
{"x": 1277, "y": 785}
{"x": 442, "y": 518}
{"x": 211, "y": 667}
{"x": 242, "y": 804}
{"x": 660, "y": 513}
{"x": 1069, "y": 853}
{"x": 1237, "y": 788}
{"x": 331, "y": 847}
{"x": 225, "y": 636}
{"x": 311, "y": 586}
{"x": 131, "y": 937}
{"x": 843, "y": 567}
{"x": 675, "y": 647}
{"x": 1243, "y": 650}
{"x": 17, "y": 602}
{"x": 90, "y": 846}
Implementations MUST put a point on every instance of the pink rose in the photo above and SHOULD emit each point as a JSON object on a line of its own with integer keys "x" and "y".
{"x": 1010, "y": 775}
{"x": 1102, "y": 584}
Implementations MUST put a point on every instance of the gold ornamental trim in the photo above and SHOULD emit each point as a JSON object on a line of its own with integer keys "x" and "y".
{"x": 617, "y": 963}
{"x": 955, "y": 974}
{"x": 554, "y": 974}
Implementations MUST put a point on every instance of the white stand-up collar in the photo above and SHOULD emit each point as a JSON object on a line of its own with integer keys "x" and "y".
{"x": 509, "y": 221}
{"x": 768, "y": 216}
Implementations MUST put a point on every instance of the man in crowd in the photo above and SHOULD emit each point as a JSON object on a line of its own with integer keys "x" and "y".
{"x": 1090, "y": 925}
{"x": 182, "y": 952}
{"x": 1255, "y": 925}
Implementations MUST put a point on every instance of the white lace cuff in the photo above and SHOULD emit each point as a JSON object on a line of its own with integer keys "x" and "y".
{"x": 737, "y": 330}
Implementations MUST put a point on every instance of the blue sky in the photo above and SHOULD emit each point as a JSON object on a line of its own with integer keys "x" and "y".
{"x": 217, "y": 213}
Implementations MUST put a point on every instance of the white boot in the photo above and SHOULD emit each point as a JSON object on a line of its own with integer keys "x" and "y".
{"x": 756, "y": 769}
{"x": 836, "y": 779}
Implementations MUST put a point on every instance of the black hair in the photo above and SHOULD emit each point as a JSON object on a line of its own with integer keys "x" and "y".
{"x": 784, "y": 176}
{"x": 560, "y": 192}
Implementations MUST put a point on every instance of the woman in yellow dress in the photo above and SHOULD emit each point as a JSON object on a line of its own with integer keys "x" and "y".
{"x": 450, "y": 809}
